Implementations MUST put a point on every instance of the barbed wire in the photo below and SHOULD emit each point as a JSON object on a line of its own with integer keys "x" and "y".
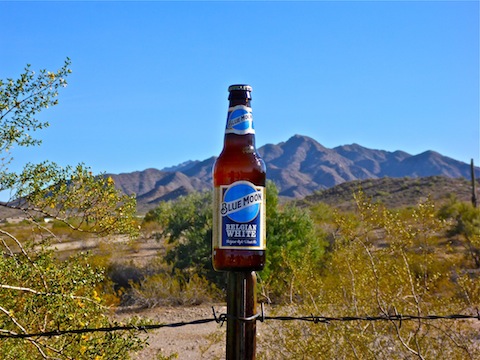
{"x": 221, "y": 318}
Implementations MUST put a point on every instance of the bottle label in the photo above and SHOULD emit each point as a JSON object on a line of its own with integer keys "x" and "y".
{"x": 240, "y": 120}
{"x": 239, "y": 216}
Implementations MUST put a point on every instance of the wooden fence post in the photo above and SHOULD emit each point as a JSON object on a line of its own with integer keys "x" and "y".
{"x": 241, "y": 305}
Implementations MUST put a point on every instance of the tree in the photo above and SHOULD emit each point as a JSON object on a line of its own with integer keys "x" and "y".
{"x": 38, "y": 293}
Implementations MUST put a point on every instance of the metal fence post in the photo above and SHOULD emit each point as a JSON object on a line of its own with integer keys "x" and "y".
{"x": 241, "y": 304}
{"x": 474, "y": 185}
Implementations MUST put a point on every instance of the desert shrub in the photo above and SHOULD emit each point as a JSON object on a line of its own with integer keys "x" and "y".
{"x": 123, "y": 274}
{"x": 464, "y": 223}
{"x": 40, "y": 294}
{"x": 293, "y": 243}
{"x": 408, "y": 275}
{"x": 292, "y": 240}
{"x": 187, "y": 228}
{"x": 157, "y": 284}
{"x": 171, "y": 289}
{"x": 161, "y": 356}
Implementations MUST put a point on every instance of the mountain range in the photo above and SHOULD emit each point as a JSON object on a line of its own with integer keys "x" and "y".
{"x": 298, "y": 167}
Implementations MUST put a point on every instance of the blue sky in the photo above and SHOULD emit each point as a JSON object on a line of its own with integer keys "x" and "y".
{"x": 149, "y": 82}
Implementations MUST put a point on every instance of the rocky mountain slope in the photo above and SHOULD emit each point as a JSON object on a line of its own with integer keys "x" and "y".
{"x": 298, "y": 167}
{"x": 394, "y": 193}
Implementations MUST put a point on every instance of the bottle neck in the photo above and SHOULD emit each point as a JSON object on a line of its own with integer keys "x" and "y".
{"x": 239, "y": 101}
{"x": 246, "y": 143}
{"x": 243, "y": 141}
{"x": 240, "y": 97}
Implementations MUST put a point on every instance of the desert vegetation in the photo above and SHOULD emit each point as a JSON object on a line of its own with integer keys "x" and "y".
{"x": 39, "y": 293}
{"x": 418, "y": 260}
{"x": 362, "y": 254}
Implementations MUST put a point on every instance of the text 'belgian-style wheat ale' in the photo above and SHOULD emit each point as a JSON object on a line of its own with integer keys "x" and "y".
{"x": 239, "y": 191}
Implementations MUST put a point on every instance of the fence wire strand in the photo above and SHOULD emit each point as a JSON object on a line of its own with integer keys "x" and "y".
{"x": 221, "y": 318}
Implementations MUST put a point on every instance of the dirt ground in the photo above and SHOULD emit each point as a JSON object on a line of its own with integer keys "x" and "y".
{"x": 202, "y": 341}
{"x": 196, "y": 341}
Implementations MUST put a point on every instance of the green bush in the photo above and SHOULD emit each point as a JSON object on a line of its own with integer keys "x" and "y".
{"x": 293, "y": 244}
{"x": 187, "y": 229}
{"x": 292, "y": 240}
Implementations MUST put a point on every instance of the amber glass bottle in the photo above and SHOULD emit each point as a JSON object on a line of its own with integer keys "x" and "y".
{"x": 239, "y": 191}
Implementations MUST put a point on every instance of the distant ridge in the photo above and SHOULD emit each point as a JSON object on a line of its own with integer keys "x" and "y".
{"x": 394, "y": 192}
{"x": 299, "y": 167}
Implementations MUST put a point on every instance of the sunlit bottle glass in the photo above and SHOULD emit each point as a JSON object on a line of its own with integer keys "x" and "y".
{"x": 239, "y": 191}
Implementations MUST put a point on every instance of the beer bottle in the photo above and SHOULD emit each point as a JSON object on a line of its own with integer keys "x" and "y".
{"x": 239, "y": 191}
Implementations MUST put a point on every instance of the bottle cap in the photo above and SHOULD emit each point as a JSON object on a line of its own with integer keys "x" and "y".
{"x": 240, "y": 87}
